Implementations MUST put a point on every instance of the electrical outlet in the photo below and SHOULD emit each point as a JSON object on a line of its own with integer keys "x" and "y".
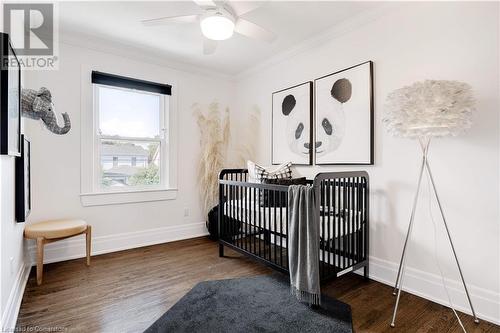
{"x": 11, "y": 265}
{"x": 186, "y": 212}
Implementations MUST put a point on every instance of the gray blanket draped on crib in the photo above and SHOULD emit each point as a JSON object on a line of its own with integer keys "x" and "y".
{"x": 303, "y": 244}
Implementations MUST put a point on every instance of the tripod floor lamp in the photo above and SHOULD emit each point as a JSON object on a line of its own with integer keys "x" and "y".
{"x": 423, "y": 111}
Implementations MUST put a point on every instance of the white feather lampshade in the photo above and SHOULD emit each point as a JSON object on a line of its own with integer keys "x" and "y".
{"x": 430, "y": 108}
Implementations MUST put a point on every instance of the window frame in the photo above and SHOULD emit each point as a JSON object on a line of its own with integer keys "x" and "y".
{"x": 91, "y": 195}
{"x": 162, "y": 141}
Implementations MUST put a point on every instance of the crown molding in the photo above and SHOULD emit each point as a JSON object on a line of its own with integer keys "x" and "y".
{"x": 337, "y": 30}
{"x": 141, "y": 54}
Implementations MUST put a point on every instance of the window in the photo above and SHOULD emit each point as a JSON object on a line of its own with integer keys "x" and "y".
{"x": 131, "y": 142}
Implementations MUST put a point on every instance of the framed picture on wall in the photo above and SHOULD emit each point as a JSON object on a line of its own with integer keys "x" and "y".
{"x": 10, "y": 99}
{"x": 23, "y": 181}
{"x": 344, "y": 116}
{"x": 291, "y": 135}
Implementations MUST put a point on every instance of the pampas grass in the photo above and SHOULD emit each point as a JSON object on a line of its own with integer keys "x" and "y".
{"x": 249, "y": 135}
{"x": 214, "y": 140}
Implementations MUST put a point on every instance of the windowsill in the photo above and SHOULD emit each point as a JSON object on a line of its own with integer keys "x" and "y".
{"x": 123, "y": 197}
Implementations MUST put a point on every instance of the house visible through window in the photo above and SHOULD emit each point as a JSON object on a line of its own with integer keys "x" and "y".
{"x": 131, "y": 138}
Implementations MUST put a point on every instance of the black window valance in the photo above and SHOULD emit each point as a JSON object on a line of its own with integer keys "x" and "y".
{"x": 130, "y": 83}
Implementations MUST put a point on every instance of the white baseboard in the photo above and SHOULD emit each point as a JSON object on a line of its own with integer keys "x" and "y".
{"x": 427, "y": 285}
{"x": 9, "y": 316}
{"x": 73, "y": 248}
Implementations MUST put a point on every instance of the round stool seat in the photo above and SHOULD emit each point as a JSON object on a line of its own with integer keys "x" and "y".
{"x": 55, "y": 229}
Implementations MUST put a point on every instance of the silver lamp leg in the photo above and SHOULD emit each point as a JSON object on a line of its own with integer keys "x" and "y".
{"x": 410, "y": 225}
{"x": 401, "y": 271}
{"x": 402, "y": 264}
{"x": 451, "y": 241}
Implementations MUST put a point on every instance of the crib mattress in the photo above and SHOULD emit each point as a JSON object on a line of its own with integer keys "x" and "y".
{"x": 248, "y": 211}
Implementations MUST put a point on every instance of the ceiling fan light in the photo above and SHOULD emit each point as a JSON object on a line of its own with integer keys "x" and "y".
{"x": 217, "y": 27}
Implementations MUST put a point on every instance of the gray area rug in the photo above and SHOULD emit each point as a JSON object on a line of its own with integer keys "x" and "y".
{"x": 257, "y": 304}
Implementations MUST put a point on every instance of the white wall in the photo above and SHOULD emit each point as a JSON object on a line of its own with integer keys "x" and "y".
{"x": 411, "y": 42}
{"x": 56, "y": 159}
{"x": 12, "y": 265}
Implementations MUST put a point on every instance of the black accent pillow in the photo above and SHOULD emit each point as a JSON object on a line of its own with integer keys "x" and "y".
{"x": 270, "y": 198}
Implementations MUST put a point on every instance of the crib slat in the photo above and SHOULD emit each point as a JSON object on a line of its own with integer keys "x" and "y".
{"x": 240, "y": 211}
{"x": 324, "y": 220}
{"x": 275, "y": 229}
{"x": 344, "y": 192}
{"x": 282, "y": 200}
{"x": 335, "y": 226}
{"x": 238, "y": 218}
{"x": 355, "y": 220}
{"x": 254, "y": 220}
{"x": 346, "y": 222}
{"x": 323, "y": 230}
{"x": 349, "y": 221}
{"x": 232, "y": 217}
{"x": 364, "y": 221}
{"x": 260, "y": 223}
{"x": 266, "y": 227}
{"x": 246, "y": 219}
{"x": 328, "y": 220}
{"x": 358, "y": 226}
{"x": 287, "y": 243}
{"x": 242, "y": 217}
{"x": 226, "y": 213}
{"x": 236, "y": 214}
{"x": 269, "y": 226}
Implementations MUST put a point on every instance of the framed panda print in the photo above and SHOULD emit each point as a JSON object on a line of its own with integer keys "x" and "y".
{"x": 291, "y": 135}
{"x": 344, "y": 116}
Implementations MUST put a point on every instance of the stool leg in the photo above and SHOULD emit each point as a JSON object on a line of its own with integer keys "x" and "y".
{"x": 39, "y": 262}
{"x": 88, "y": 237}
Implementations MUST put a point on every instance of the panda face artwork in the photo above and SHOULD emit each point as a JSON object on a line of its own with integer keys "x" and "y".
{"x": 297, "y": 130}
{"x": 291, "y": 125}
{"x": 330, "y": 118}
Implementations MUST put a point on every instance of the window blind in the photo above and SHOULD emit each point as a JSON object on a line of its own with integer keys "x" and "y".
{"x": 130, "y": 83}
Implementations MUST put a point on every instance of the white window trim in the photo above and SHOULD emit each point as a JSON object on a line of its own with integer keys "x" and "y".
{"x": 91, "y": 194}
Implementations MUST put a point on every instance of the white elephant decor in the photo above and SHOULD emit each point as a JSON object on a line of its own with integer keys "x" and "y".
{"x": 38, "y": 105}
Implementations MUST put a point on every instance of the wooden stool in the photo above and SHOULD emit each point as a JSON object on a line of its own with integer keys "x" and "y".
{"x": 52, "y": 231}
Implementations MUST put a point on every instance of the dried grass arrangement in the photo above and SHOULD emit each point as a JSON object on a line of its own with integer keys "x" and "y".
{"x": 248, "y": 137}
{"x": 214, "y": 140}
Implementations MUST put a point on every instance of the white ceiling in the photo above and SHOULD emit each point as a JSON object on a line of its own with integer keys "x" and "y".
{"x": 119, "y": 22}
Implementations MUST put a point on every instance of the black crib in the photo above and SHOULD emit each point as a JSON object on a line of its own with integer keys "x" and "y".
{"x": 253, "y": 220}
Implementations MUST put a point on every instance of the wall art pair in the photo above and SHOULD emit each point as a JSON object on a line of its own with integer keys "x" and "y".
{"x": 340, "y": 131}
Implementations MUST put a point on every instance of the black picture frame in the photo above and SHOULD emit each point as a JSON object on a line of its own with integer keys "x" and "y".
{"x": 23, "y": 181}
{"x": 371, "y": 114}
{"x": 8, "y": 145}
{"x": 311, "y": 125}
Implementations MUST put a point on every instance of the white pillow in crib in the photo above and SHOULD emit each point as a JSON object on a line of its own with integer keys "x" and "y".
{"x": 256, "y": 173}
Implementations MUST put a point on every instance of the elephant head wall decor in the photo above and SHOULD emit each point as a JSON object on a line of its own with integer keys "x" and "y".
{"x": 38, "y": 105}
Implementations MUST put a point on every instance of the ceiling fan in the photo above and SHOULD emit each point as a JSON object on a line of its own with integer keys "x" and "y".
{"x": 219, "y": 22}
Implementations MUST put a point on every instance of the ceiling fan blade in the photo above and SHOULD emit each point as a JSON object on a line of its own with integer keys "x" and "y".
{"x": 243, "y": 7}
{"x": 209, "y": 46}
{"x": 205, "y": 3}
{"x": 252, "y": 30}
{"x": 170, "y": 19}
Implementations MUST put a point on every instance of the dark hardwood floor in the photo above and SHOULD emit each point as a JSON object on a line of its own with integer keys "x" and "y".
{"x": 127, "y": 291}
